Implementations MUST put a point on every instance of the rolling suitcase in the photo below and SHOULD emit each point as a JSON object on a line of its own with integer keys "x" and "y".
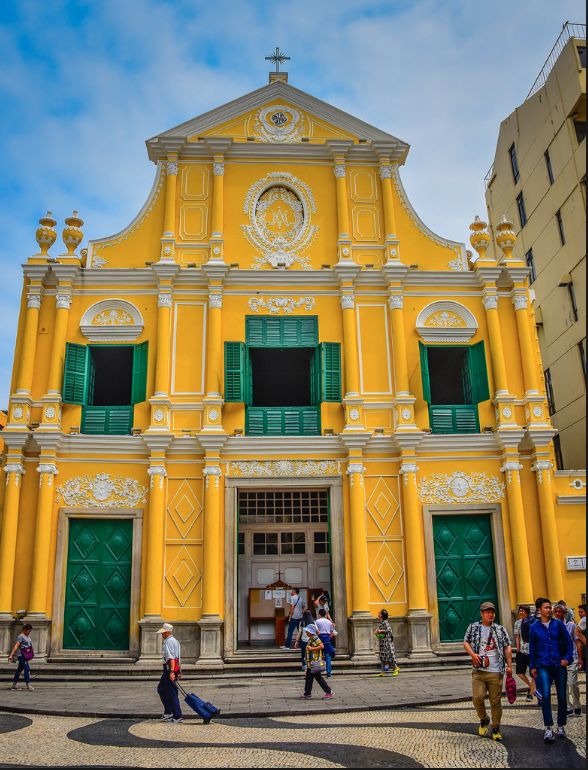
{"x": 205, "y": 710}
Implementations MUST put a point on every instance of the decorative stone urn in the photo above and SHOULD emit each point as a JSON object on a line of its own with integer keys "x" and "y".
{"x": 72, "y": 234}
{"x": 506, "y": 237}
{"x": 480, "y": 237}
{"x": 46, "y": 234}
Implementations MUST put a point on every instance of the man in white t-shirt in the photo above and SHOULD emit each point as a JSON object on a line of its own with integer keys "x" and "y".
{"x": 297, "y": 607}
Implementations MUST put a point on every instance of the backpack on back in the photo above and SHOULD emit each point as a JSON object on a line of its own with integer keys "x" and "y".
{"x": 526, "y": 629}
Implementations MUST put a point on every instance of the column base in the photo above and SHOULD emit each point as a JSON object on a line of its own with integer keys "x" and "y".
{"x": 361, "y": 637}
{"x": 211, "y": 643}
{"x": 150, "y": 641}
{"x": 40, "y": 635}
{"x": 7, "y": 623}
{"x": 419, "y": 635}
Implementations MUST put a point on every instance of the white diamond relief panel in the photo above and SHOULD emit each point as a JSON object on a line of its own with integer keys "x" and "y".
{"x": 382, "y": 506}
{"x": 386, "y": 571}
{"x": 184, "y": 512}
{"x": 183, "y": 579}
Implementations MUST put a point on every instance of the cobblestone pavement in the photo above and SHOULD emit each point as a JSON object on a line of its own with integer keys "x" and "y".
{"x": 430, "y": 736}
{"x": 257, "y": 696}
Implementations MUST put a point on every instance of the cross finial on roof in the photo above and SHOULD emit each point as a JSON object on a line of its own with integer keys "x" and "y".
{"x": 277, "y": 58}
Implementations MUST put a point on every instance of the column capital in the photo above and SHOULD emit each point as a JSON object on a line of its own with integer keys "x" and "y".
{"x": 63, "y": 301}
{"x": 340, "y": 170}
{"x": 520, "y": 301}
{"x": 385, "y": 171}
{"x": 408, "y": 467}
{"x": 347, "y": 301}
{"x": 218, "y": 168}
{"x": 490, "y": 301}
{"x": 215, "y": 301}
{"x": 171, "y": 167}
{"x": 164, "y": 299}
{"x": 34, "y": 297}
{"x": 396, "y": 302}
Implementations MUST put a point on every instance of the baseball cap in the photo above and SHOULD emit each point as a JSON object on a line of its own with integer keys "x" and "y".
{"x": 487, "y": 606}
{"x": 166, "y": 627}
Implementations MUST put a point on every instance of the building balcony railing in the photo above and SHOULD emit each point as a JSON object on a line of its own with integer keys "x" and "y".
{"x": 568, "y": 31}
{"x": 454, "y": 419}
{"x": 282, "y": 421}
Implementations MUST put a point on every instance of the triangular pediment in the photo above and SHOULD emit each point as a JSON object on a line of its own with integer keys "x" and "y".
{"x": 277, "y": 113}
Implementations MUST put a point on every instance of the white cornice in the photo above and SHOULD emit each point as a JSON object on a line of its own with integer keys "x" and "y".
{"x": 176, "y": 137}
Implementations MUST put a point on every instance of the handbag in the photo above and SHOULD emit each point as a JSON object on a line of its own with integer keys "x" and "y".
{"x": 27, "y": 652}
{"x": 511, "y": 689}
{"x": 318, "y": 666}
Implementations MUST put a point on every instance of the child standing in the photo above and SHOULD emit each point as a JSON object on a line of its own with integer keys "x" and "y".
{"x": 387, "y": 651}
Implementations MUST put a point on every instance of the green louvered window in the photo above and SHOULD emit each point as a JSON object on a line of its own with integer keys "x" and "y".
{"x": 106, "y": 380}
{"x": 282, "y": 374}
{"x": 455, "y": 381}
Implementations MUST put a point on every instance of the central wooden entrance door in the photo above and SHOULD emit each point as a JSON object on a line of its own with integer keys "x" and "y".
{"x": 466, "y": 575}
{"x": 98, "y": 587}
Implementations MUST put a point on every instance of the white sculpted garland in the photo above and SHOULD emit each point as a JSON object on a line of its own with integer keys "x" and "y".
{"x": 279, "y": 208}
{"x": 102, "y": 492}
{"x": 112, "y": 320}
{"x": 475, "y": 488}
{"x": 444, "y": 319}
{"x": 278, "y": 123}
{"x": 285, "y": 468}
{"x": 275, "y": 304}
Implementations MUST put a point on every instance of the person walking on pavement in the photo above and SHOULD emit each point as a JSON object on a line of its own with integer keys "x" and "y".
{"x": 297, "y": 607}
{"x": 581, "y": 636}
{"x": 166, "y": 688}
{"x": 315, "y": 664}
{"x": 551, "y": 652}
{"x": 387, "y": 650}
{"x": 574, "y": 702}
{"x": 24, "y": 653}
{"x": 302, "y": 638}
{"x": 521, "y": 632}
{"x": 325, "y": 629}
{"x": 489, "y": 647}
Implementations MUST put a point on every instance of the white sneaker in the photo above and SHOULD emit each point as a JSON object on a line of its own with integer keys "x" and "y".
{"x": 548, "y": 737}
{"x": 165, "y": 717}
{"x": 561, "y": 732}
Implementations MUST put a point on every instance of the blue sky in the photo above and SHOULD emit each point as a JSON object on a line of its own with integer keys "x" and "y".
{"x": 83, "y": 84}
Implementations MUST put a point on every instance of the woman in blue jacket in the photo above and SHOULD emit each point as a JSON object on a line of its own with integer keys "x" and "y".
{"x": 550, "y": 651}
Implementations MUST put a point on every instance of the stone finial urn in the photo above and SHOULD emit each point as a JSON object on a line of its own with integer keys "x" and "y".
{"x": 46, "y": 233}
{"x": 506, "y": 237}
{"x": 72, "y": 234}
{"x": 480, "y": 237}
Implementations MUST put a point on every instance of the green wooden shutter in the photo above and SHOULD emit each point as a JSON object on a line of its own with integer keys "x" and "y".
{"x": 139, "y": 389}
{"x": 425, "y": 373}
{"x": 254, "y": 328}
{"x": 330, "y": 354}
{"x": 479, "y": 373}
{"x": 273, "y": 332}
{"x": 236, "y": 371}
{"x": 76, "y": 374}
{"x": 290, "y": 332}
{"x": 308, "y": 331}
{"x": 95, "y": 420}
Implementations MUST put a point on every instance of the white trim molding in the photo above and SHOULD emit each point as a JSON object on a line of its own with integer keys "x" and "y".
{"x": 446, "y": 321}
{"x": 112, "y": 320}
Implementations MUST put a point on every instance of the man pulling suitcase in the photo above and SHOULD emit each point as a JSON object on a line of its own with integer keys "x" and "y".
{"x": 166, "y": 688}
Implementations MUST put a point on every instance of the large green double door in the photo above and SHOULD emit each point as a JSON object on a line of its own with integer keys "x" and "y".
{"x": 98, "y": 588}
{"x": 466, "y": 577}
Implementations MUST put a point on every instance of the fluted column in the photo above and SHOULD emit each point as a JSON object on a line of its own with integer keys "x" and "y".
{"x": 14, "y": 470}
{"x": 342, "y": 206}
{"x": 29, "y": 341}
{"x": 169, "y": 218}
{"x": 350, "y": 343}
{"x": 549, "y": 536}
{"x": 359, "y": 560}
{"x": 522, "y": 562}
{"x": 41, "y": 553}
{"x": 526, "y": 343}
{"x": 218, "y": 170}
{"x": 155, "y": 537}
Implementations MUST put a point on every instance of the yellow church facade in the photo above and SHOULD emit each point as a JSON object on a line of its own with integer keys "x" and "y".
{"x": 276, "y": 376}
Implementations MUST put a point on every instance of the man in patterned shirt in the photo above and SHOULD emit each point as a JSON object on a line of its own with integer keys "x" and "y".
{"x": 488, "y": 645}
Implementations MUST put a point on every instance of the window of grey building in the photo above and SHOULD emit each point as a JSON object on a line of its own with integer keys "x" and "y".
{"x": 559, "y": 464}
{"x": 549, "y": 167}
{"x": 582, "y": 349}
{"x": 549, "y": 392}
{"x": 582, "y": 55}
{"x": 580, "y": 128}
{"x": 560, "y": 224}
{"x": 530, "y": 260}
{"x": 522, "y": 211}
{"x": 573, "y": 300}
{"x": 514, "y": 163}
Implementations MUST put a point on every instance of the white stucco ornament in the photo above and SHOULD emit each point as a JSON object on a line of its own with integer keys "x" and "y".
{"x": 18, "y": 412}
{"x": 158, "y": 415}
{"x": 50, "y": 412}
{"x": 277, "y": 304}
{"x": 279, "y": 123}
{"x": 446, "y": 321}
{"x": 354, "y": 414}
{"x": 213, "y": 415}
{"x": 537, "y": 412}
{"x": 507, "y": 412}
{"x": 101, "y": 492}
{"x": 279, "y": 207}
{"x": 285, "y": 468}
{"x": 406, "y": 414}
{"x": 460, "y": 487}
{"x": 112, "y": 320}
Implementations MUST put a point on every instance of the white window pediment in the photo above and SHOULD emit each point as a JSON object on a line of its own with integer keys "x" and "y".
{"x": 112, "y": 320}
{"x": 446, "y": 321}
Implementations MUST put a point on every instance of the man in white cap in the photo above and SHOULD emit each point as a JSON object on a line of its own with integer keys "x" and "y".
{"x": 166, "y": 688}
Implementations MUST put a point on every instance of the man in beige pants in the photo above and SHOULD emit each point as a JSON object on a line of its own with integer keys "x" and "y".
{"x": 489, "y": 647}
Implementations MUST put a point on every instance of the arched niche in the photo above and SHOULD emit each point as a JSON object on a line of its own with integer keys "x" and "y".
{"x": 446, "y": 321}
{"x": 112, "y": 320}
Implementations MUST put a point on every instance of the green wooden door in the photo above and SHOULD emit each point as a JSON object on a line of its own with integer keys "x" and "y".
{"x": 466, "y": 577}
{"x": 98, "y": 588}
